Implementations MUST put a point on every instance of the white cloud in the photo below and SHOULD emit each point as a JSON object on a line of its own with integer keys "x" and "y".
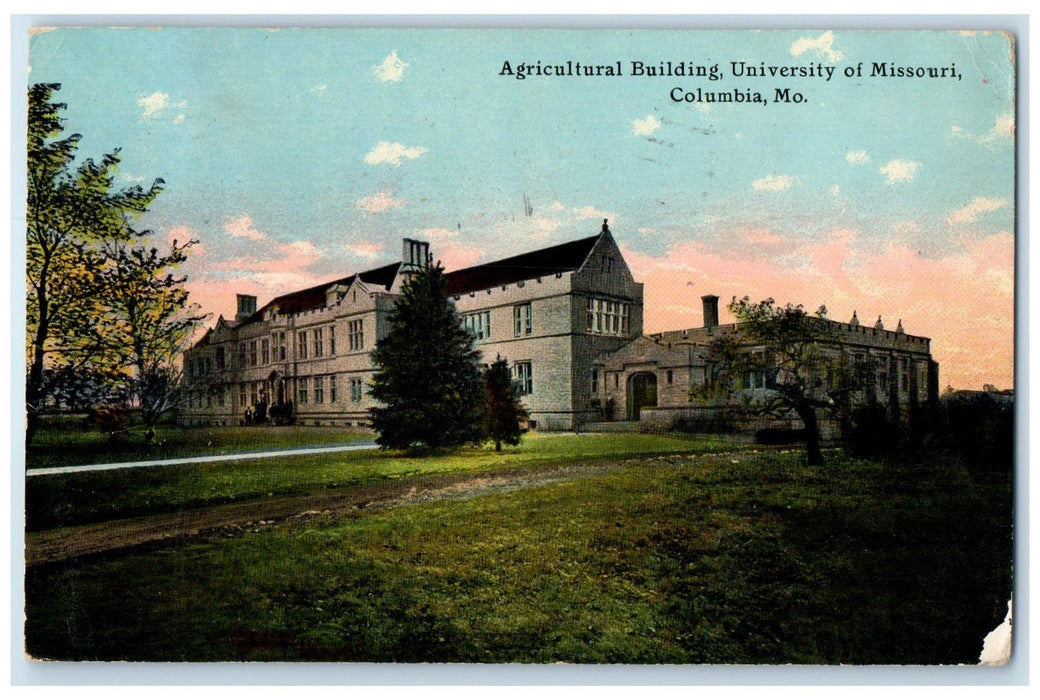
{"x": 822, "y": 46}
{"x": 392, "y": 153}
{"x": 319, "y": 89}
{"x": 835, "y": 190}
{"x": 391, "y": 69}
{"x": 367, "y": 250}
{"x": 773, "y": 183}
{"x": 158, "y": 102}
{"x": 242, "y": 227}
{"x": 857, "y": 157}
{"x": 1003, "y": 128}
{"x": 897, "y": 170}
{"x": 971, "y": 212}
{"x": 591, "y": 212}
{"x": 153, "y": 103}
{"x": 645, "y": 127}
{"x": 380, "y": 201}
{"x": 437, "y": 234}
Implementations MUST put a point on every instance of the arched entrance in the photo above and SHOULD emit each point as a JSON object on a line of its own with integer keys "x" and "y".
{"x": 642, "y": 392}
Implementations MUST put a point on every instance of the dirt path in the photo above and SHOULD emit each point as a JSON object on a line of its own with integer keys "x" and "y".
{"x": 51, "y": 546}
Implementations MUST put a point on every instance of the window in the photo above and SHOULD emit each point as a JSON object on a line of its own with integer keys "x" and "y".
{"x": 242, "y": 395}
{"x": 356, "y": 390}
{"x": 265, "y": 351}
{"x": 301, "y": 345}
{"x": 595, "y": 380}
{"x": 242, "y": 354}
{"x": 319, "y": 345}
{"x": 279, "y": 345}
{"x": 252, "y": 353}
{"x": 302, "y": 391}
{"x": 332, "y": 341}
{"x": 522, "y": 320}
{"x": 319, "y": 390}
{"x": 904, "y": 374}
{"x": 478, "y": 324}
{"x": 220, "y": 397}
{"x": 356, "y": 334}
{"x": 332, "y": 388}
{"x": 669, "y": 376}
{"x": 220, "y": 357}
{"x": 254, "y": 392}
{"x": 522, "y": 377}
{"x": 606, "y": 317}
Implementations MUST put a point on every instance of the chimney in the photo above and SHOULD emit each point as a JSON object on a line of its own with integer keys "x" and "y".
{"x": 415, "y": 255}
{"x": 246, "y": 307}
{"x": 711, "y": 310}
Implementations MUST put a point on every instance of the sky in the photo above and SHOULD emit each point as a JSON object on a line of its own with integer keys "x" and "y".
{"x": 298, "y": 156}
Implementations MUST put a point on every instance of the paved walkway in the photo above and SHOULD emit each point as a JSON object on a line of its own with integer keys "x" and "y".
{"x": 200, "y": 459}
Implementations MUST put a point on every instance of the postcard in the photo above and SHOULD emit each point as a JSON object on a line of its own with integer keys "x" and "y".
{"x": 497, "y": 346}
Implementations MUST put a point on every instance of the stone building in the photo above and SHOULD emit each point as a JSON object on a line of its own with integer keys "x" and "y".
{"x": 306, "y": 356}
{"x": 650, "y": 380}
{"x": 568, "y": 319}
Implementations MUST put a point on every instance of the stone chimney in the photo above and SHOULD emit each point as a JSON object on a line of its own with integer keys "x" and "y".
{"x": 415, "y": 255}
{"x": 246, "y": 307}
{"x": 711, "y": 310}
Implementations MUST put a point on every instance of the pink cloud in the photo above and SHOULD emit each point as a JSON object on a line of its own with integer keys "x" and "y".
{"x": 964, "y": 302}
{"x": 242, "y": 227}
{"x": 264, "y": 279}
{"x": 455, "y": 256}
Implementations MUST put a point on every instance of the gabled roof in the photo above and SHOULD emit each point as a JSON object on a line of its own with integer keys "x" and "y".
{"x": 314, "y": 297}
{"x": 565, "y": 257}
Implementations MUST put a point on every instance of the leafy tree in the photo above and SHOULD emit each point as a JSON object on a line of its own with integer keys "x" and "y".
{"x": 152, "y": 323}
{"x": 80, "y": 244}
{"x": 503, "y": 411}
{"x": 791, "y": 359}
{"x": 427, "y": 372}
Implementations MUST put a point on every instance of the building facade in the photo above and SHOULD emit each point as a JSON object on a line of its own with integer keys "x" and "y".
{"x": 305, "y": 357}
{"x": 654, "y": 379}
{"x": 568, "y": 319}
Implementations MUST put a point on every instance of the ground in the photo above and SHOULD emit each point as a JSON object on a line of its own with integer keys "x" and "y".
{"x": 60, "y": 544}
{"x": 693, "y": 553}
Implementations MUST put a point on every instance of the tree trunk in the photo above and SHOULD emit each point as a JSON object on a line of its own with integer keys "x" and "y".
{"x": 813, "y": 453}
{"x": 34, "y": 389}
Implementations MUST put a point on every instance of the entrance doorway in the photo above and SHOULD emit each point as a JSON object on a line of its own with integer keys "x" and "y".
{"x": 642, "y": 393}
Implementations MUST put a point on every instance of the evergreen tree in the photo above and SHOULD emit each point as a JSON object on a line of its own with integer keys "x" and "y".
{"x": 503, "y": 411}
{"x": 428, "y": 377}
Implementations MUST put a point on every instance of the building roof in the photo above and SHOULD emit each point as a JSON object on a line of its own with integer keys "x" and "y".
{"x": 314, "y": 297}
{"x": 565, "y": 257}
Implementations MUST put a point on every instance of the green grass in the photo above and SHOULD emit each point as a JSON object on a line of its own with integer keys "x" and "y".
{"x": 682, "y": 559}
{"x": 69, "y": 443}
{"x": 69, "y": 499}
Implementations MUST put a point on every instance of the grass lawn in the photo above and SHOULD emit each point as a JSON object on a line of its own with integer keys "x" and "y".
{"x": 675, "y": 559}
{"x": 69, "y": 499}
